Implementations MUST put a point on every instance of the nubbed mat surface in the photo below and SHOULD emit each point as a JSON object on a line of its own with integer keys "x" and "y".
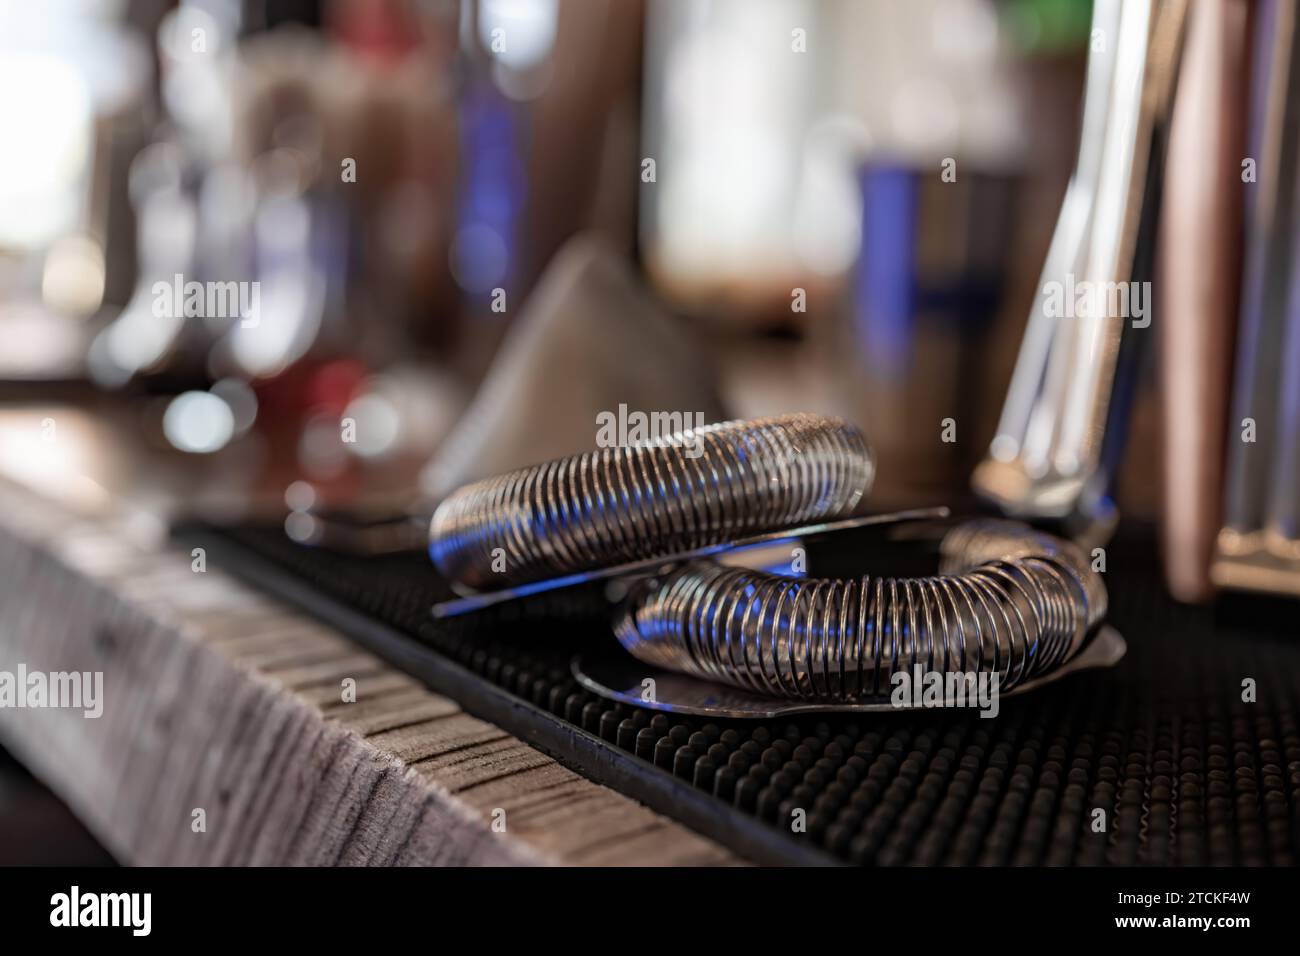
{"x": 1185, "y": 770}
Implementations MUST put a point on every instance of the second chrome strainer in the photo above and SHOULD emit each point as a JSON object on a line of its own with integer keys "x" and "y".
{"x": 1006, "y": 600}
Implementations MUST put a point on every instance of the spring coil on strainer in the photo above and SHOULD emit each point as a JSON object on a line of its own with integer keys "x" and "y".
{"x": 616, "y": 505}
{"x": 1007, "y": 601}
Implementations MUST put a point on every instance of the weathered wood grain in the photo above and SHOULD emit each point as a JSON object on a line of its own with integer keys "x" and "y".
{"x": 219, "y": 699}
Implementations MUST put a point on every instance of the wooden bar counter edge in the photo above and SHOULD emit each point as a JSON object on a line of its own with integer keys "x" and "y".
{"x": 225, "y": 738}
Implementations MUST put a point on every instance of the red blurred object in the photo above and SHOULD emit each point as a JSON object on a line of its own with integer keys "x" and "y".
{"x": 309, "y": 388}
{"x": 383, "y": 32}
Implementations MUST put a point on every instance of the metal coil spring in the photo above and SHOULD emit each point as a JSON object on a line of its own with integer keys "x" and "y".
{"x": 1007, "y": 601}
{"x": 617, "y": 505}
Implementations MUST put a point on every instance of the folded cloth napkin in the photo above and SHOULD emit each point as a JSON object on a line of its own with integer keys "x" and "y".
{"x": 590, "y": 339}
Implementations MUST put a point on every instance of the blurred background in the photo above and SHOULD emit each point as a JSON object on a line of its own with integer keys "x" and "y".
{"x": 335, "y": 257}
{"x": 474, "y": 225}
{"x": 763, "y": 180}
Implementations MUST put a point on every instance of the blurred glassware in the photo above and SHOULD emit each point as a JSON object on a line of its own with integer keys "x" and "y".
{"x": 1063, "y": 423}
{"x": 71, "y": 79}
{"x": 75, "y": 101}
{"x": 928, "y": 285}
{"x": 1199, "y": 273}
{"x": 728, "y": 163}
{"x": 1259, "y": 547}
{"x": 143, "y": 335}
{"x": 760, "y": 116}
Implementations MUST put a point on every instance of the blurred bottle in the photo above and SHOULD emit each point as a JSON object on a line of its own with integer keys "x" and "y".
{"x": 938, "y": 92}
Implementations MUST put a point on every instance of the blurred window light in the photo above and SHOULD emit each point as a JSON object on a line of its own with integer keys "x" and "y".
{"x": 46, "y": 115}
{"x": 62, "y": 64}
{"x": 198, "y": 422}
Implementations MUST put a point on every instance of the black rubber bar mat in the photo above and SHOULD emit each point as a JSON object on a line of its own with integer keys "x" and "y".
{"x": 1186, "y": 753}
